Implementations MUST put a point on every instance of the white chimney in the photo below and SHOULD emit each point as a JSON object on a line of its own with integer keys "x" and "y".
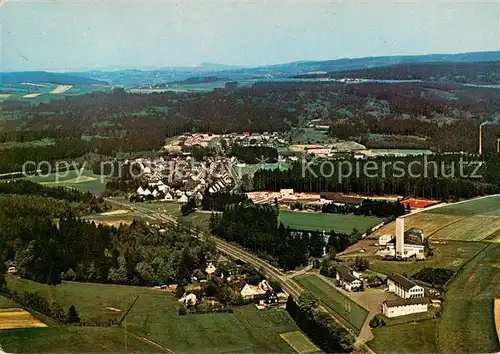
{"x": 400, "y": 236}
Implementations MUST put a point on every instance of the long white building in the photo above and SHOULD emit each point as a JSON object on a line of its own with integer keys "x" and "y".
{"x": 402, "y": 307}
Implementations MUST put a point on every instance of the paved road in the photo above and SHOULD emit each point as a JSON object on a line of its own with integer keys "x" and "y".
{"x": 288, "y": 284}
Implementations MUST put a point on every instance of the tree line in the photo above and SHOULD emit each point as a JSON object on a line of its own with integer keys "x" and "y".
{"x": 426, "y": 180}
{"x": 49, "y": 241}
{"x": 369, "y": 207}
{"x": 254, "y": 154}
{"x": 255, "y": 227}
{"x": 329, "y": 336}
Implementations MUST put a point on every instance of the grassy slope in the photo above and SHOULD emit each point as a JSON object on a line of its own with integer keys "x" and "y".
{"x": 6, "y": 303}
{"x": 154, "y": 316}
{"x": 332, "y": 298}
{"x": 467, "y": 324}
{"x": 69, "y": 339}
{"x": 246, "y": 330}
{"x": 90, "y": 300}
{"x": 450, "y": 255}
{"x": 323, "y": 221}
{"x": 89, "y": 182}
{"x": 406, "y": 338}
{"x": 473, "y": 220}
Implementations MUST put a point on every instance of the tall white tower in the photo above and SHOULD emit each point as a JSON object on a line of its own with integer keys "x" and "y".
{"x": 400, "y": 236}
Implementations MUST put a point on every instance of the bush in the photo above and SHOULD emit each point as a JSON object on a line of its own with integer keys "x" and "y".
{"x": 68, "y": 275}
{"x": 377, "y": 321}
{"x": 435, "y": 276}
{"x": 72, "y": 316}
{"x": 182, "y": 310}
{"x": 275, "y": 285}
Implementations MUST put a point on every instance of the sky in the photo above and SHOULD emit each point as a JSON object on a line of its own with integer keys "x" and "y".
{"x": 75, "y": 35}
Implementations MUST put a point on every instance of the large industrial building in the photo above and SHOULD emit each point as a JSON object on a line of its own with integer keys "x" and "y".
{"x": 404, "y": 244}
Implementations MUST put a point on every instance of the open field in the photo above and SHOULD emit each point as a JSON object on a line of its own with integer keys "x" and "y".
{"x": 18, "y": 318}
{"x": 406, "y": 338}
{"x": 85, "y": 181}
{"x": 32, "y": 95}
{"x": 91, "y": 300}
{"x": 73, "y": 339}
{"x": 332, "y": 298}
{"x": 473, "y": 220}
{"x": 6, "y": 303}
{"x": 199, "y": 218}
{"x": 467, "y": 323}
{"x": 61, "y": 89}
{"x": 449, "y": 254}
{"x": 154, "y": 316}
{"x": 115, "y": 212}
{"x": 323, "y": 221}
{"x": 299, "y": 342}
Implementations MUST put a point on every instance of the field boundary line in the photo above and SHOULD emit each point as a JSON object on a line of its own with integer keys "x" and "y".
{"x": 151, "y": 342}
{"x": 128, "y": 310}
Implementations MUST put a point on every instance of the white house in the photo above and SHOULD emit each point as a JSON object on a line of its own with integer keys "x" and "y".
{"x": 249, "y": 291}
{"x": 348, "y": 278}
{"x": 384, "y": 239}
{"x": 190, "y": 299}
{"x": 210, "y": 269}
{"x": 404, "y": 287}
{"x": 168, "y": 196}
{"x": 402, "y": 307}
{"x": 183, "y": 199}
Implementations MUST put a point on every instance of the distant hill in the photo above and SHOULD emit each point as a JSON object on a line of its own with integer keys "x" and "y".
{"x": 165, "y": 75}
{"x": 349, "y": 64}
{"x": 472, "y": 73}
{"x": 45, "y": 77}
{"x": 197, "y": 80}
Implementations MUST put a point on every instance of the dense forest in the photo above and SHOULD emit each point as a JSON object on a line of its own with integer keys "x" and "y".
{"x": 256, "y": 227}
{"x": 472, "y": 73}
{"x": 41, "y": 231}
{"x": 218, "y": 201}
{"x": 444, "y": 117}
{"x": 433, "y": 177}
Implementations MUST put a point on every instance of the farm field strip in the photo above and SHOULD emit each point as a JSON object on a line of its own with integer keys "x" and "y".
{"x": 351, "y": 311}
{"x": 474, "y": 220}
{"x": 61, "y": 89}
{"x": 467, "y": 323}
{"x": 18, "y": 318}
{"x": 32, "y": 95}
{"x": 299, "y": 342}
